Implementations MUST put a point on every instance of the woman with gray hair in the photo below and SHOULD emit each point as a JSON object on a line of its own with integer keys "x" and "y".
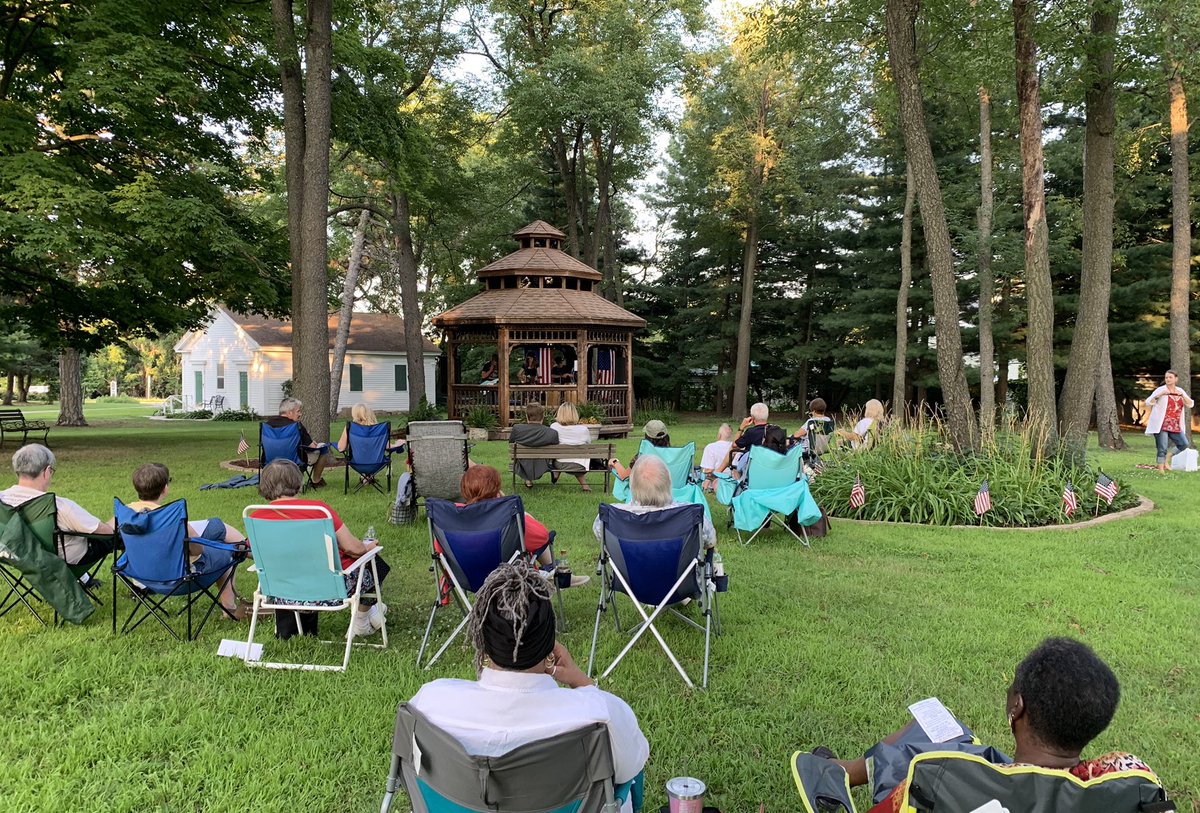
{"x": 650, "y": 488}
{"x": 529, "y": 687}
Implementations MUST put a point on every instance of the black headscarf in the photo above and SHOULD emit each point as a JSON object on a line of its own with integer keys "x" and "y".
{"x": 536, "y": 643}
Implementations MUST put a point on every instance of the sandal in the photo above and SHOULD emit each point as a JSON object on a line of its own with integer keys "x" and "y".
{"x": 529, "y": 484}
{"x": 586, "y": 489}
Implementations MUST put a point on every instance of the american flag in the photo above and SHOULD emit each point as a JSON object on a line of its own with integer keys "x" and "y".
{"x": 243, "y": 446}
{"x": 1106, "y": 488}
{"x": 983, "y": 500}
{"x": 606, "y": 367}
{"x": 545, "y": 362}
{"x": 1070, "y": 501}
{"x": 858, "y": 494}
{"x": 817, "y": 467}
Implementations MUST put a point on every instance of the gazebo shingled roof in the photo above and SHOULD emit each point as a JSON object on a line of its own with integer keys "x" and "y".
{"x": 538, "y": 306}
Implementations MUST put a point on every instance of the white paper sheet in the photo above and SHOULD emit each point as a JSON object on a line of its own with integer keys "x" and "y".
{"x": 936, "y": 720}
{"x": 229, "y": 648}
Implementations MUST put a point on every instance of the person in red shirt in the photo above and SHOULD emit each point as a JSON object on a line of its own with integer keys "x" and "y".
{"x": 280, "y": 481}
{"x": 1165, "y": 423}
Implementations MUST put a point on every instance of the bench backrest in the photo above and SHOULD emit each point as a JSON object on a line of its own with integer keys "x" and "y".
{"x": 11, "y": 415}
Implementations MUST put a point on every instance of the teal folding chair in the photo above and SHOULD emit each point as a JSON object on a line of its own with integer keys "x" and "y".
{"x": 680, "y": 462}
{"x": 300, "y": 570}
{"x": 773, "y": 487}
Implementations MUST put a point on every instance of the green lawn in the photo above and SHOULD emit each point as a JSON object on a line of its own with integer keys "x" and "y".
{"x": 823, "y": 646}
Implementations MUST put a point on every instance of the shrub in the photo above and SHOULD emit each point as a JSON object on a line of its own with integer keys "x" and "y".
{"x": 238, "y": 415}
{"x": 653, "y": 409}
{"x": 425, "y": 411}
{"x": 481, "y": 416}
{"x": 914, "y": 475}
{"x": 591, "y": 413}
{"x": 115, "y": 399}
{"x": 195, "y": 415}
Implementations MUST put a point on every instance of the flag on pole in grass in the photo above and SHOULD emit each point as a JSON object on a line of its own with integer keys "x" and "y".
{"x": 1070, "y": 500}
{"x": 243, "y": 446}
{"x": 983, "y": 500}
{"x": 1106, "y": 488}
{"x": 858, "y": 494}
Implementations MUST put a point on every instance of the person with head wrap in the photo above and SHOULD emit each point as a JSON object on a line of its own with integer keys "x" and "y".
{"x": 529, "y": 687}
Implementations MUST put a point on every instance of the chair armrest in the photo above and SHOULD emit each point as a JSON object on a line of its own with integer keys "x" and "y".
{"x": 362, "y": 560}
{"x": 236, "y": 547}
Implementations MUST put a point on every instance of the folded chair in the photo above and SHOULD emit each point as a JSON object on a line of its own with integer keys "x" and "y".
{"x": 437, "y": 455}
{"x": 772, "y": 488}
{"x": 367, "y": 453}
{"x": 656, "y": 559}
{"x": 32, "y": 567}
{"x": 566, "y": 773}
{"x": 155, "y": 567}
{"x": 952, "y": 781}
{"x": 467, "y": 543}
{"x": 685, "y": 488}
{"x": 300, "y": 570}
{"x": 282, "y": 443}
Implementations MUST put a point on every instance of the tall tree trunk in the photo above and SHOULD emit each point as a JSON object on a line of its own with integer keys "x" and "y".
{"x": 741, "y": 369}
{"x": 902, "y": 56}
{"x": 566, "y": 170}
{"x": 603, "y": 181}
{"x": 8, "y": 390}
{"x": 1108, "y": 420}
{"x": 148, "y": 378}
{"x": 1039, "y": 293}
{"x": 899, "y": 408}
{"x": 987, "y": 352}
{"x": 349, "y": 288}
{"x": 1181, "y": 236}
{"x": 410, "y": 304}
{"x": 70, "y": 389}
{"x": 23, "y": 382}
{"x": 1079, "y": 388}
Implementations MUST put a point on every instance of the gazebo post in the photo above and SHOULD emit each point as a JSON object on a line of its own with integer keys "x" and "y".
{"x": 451, "y": 340}
{"x": 629, "y": 376}
{"x": 581, "y": 353}
{"x": 502, "y": 384}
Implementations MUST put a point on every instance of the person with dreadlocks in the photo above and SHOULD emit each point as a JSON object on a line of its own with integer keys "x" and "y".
{"x": 529, "y": 687}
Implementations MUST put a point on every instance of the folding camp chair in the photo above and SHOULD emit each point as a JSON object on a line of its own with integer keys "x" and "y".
{"x": 655, "y": 558}
{"x": 367, "y": 453}
{"x": 953, "y": 781}
{"x": 773, "y": 487}
{"x": 33, "y": 564}
{"x": 566, "y": 773}
{"x": 282, "y": 443}
{"x": 467, "y": 543}
{"x": 437, "y": 455}
{"x": 685, "y": 488}
{"x": 155, "y": 567}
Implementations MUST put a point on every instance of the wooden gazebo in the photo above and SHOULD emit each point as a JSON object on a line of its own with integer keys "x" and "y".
{"x": 554, "y": 338}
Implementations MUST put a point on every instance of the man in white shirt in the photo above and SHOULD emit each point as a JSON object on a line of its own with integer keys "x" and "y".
{"x": 712, "y": 460}
{"x": 34, "y": 466}
{"x": 650, "y": 488}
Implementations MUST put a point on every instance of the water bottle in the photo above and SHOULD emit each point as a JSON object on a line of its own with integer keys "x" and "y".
{"x": 718, "y": 565}
{"x": 562, "y": 571}
{"x": 370, "y": 538}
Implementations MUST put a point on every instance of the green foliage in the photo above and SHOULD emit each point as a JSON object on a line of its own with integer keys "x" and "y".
{"x": 653, "y": 409}
{"x": 237, "y": 415}
{"x": 591, "y": 413}
{"x": 115, "y": 399}
{"x": 194, "y": 415}
{"x": 914, "y": 475}
{"x": 481, "y": 416}
{"x": 425, "y": 411}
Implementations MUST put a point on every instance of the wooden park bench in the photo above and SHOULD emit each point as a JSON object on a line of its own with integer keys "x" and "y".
{"x": 602, "y": 452}
{"x": 13, "y": 421}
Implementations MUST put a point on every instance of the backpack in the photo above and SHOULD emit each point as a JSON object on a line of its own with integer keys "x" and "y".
{"x": 818, "y": 436}
{"x": 774, "y": 438}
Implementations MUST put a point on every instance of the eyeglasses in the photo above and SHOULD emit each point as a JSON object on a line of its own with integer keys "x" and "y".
{"x": 51, "y": 468}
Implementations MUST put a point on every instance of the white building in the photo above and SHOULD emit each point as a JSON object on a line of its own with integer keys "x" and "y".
{"x": 247, "y": 359}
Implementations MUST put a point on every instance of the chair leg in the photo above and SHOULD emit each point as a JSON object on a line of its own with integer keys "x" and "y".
{"x": 379, "y": 599}
{"x": 461, "y": 625}
{"x": 253, "y": 626}
{"x": 596, "y": 629}
{"x": 428, "y": 628}
{"x": 393, "y": 784}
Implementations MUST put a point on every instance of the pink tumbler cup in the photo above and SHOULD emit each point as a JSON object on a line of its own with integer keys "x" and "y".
{"x": 685, "y": 794}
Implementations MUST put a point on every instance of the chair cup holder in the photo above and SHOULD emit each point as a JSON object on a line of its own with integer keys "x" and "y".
{"x": 722, "y": 583}
{"x": 562, "y": 579}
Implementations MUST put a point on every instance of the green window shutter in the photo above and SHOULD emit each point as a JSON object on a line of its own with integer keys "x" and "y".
{"x": 243, "y": 389}
{"x": 355, "y": 378}
{"x": 199, "y": 388}
{"x": 401, "y": 378}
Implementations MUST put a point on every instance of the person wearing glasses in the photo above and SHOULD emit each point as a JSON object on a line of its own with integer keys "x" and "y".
{"x": 317, "y": 455}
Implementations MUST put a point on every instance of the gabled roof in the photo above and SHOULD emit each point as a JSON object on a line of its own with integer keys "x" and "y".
{"x": 369, "y": 332}
{"x": 538, "y": 228}
{"x": 535, "y": 261}
{"x": 539, "y": 306}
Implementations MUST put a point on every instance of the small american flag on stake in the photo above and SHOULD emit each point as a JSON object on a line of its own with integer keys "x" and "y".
{"x": 983, "y": 500}
{"x": 243, "y": 446}
{"x": 858, "y": 494}
{"x": 1070, "y": 500}
{"x": 1106, "y": 488}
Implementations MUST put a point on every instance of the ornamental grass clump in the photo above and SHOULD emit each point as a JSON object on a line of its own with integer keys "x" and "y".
{"x": 913, "y": 474}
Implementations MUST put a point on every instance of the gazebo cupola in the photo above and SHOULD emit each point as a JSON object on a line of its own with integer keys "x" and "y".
{"x": 539, "y": 332}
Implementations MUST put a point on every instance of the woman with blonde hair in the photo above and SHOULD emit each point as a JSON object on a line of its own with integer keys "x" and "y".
{"x": 866, "y": 431}
{"x": 362, "y": 415}
{"x": 571, "y": 433}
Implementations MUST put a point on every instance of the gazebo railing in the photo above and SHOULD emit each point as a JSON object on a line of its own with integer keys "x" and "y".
{"x": 614, "y": 398}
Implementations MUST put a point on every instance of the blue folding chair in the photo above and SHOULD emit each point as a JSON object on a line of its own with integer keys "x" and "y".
{"x": 657, "y": 559}
{"x": 282, "y": 443}
{"x": 367, "y": 453}
{"x": 300, "y": 570}
{"x": 155, "y": 567}
{"x": 685, "y": 488}
{"x": 773, "y": 487}
{"x": 467, "y": 543}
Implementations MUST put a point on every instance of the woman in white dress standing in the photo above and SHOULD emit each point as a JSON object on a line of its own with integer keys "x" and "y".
{"x": 1166, "y": 417}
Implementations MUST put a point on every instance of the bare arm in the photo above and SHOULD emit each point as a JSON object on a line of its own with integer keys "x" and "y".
{"x": 349, "y": 543}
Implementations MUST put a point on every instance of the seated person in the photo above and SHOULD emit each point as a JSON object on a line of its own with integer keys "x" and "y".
{"x": 34, "y": 466}
{"x": 363, "y": 415}
{"x": 489, "y": 376}
{"x": 650, "y": 487}
{"x": 655, "y": 431}
{"x": 529, "y": 370}
{"x": 481, "y": 483}
{"x": 815, "y": 433}
{"x": 866, "y": 431}
{"x": 279, "y": 482}
{"x": 1061, "y": 698}
{"x": 571, "y": 433}
{"x": 316, "y": 454}
{"x": 560, "y": 373}
{"x": 151, "y": 481}
{"x": 714, "y": 455}
{"x": 750, "y": 433}
{"x": 533, "y": 433}
{"x": 515, "y": 700}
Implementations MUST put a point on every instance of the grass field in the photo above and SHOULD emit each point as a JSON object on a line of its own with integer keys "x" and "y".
{"x": 826, "y": 646}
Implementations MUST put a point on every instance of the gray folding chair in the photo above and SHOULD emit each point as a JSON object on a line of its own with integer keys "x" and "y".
{"x": 567, "y": 773}
{"x": 437, "y": 453}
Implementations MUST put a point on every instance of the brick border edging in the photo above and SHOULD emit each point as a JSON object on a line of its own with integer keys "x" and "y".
{"x": 1145, "y": 506}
